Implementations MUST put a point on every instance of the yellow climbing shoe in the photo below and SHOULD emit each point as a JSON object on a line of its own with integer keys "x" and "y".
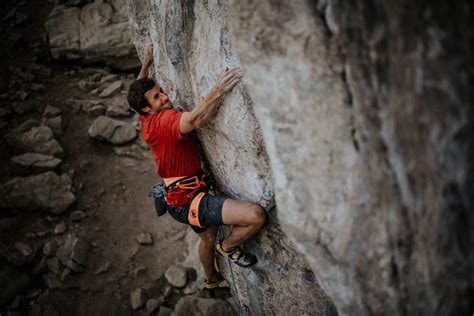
{"x": 237, "y": 256}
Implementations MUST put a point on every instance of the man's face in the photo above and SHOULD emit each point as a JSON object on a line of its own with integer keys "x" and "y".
{"x": 157, "y": 99}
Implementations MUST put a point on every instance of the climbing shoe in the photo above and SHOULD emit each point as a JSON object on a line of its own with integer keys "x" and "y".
{"x": 237, "y": 256}
{"x": 212, "y": 285}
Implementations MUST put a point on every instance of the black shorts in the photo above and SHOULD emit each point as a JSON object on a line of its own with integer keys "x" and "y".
{"x": 210, "y": 212}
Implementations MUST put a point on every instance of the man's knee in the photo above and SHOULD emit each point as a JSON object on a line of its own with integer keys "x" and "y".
{"x": 258, "y": 215}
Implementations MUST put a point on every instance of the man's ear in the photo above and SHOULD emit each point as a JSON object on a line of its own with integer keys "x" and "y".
{"x": 146, "y": 109}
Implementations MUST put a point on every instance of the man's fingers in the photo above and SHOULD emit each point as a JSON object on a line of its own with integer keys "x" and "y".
{"x": 231, "y": 78}
{"x": 228, "y": 86}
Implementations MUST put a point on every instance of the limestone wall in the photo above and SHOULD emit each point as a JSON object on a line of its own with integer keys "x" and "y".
{"x": 355, "y": 120}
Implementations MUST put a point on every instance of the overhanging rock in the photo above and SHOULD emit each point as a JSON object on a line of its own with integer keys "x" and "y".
{"x": 352, "y": 119}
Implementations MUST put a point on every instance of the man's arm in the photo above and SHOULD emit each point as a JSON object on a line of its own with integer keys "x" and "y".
{"x": 206, "y": 110}
{"x": 147, "y": 60}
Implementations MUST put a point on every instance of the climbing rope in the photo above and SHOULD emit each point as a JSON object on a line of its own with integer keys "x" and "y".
{"x": 229, "y": 264}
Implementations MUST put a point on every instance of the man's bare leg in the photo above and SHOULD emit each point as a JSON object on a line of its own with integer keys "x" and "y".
{"x": 206, "y": 252}
{"x": 246, "y": 218}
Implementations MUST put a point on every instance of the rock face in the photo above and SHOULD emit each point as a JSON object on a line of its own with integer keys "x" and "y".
{"x": 93, "y": 32}
{"x": 354, "y": 120}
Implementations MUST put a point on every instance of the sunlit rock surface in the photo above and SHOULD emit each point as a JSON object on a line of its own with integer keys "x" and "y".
{"x": 355, "y": 120}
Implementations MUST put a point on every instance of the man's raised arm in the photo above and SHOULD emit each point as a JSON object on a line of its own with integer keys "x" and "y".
{"x": 206, "y": 110}
{"x": 147, "y": 60}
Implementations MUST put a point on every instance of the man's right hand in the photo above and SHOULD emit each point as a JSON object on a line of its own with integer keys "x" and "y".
{"x": 228, "y": 79}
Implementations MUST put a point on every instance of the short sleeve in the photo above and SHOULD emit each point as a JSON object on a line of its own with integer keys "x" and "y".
{"x": 169, "y": 125}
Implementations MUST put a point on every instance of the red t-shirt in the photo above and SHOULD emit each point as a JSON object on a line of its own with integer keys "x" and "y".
{"x": 176, "y": 155}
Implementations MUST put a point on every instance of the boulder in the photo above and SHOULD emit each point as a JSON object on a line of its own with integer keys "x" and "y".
{"x": 55, "y": 123}
{"x": 96, "y": 110}
{"x": 176, "y": 275}
{"x": 49, "y": 248}
{"x": 111, "y": 89}
{"x": 117, "y": 106}
{"x": 95, "y": 32}
{"x": 113, "y": 131}
{"x": 352, "y": 128}
{"x": 73, "y": 253}
{"x": 39, "y": 139}
{"x": 24, "y": 248}
{"x": 144, "y": 239}
{"x": 62, "y": 27}
{"x": 51, "y": 111}
{"x": 193, "y": 305}
{"x": 77, "y": 215}
{"x": 37, "y": 161}
{"x": 53, "y": 265}
{"x": 46, "y": 191}
{"x": 60, "y": 228}
{"x": 152, "y": 305}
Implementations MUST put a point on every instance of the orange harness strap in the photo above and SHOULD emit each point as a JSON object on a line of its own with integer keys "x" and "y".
{"x": 168, "y": 181}
{"x": 193, "y": 214}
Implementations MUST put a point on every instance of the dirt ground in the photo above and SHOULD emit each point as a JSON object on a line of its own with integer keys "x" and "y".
{"x": 111, "y": 190}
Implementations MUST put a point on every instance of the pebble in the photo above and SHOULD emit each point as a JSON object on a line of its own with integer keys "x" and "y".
{"x": 144, "y": 239}
{"x": 97, "y": 110}
{"x": 152, "y": 305}
{"x": 137, "y": 298}
{"x": 53, "y": 265}
{"x": 24, "y": 248}
{"x": 51, "y": 111}
{"x": 30, "y": 235}
{"x": 48, "y": 249}
{"x": 66, "y": 272}
{"x": 77, "y": 216}
{"x": 103, "y": 268}
{"x": 60, "y": 228}
{"x": 176, "y": 275}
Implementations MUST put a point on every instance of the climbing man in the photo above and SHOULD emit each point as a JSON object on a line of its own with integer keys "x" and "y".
{"x": 173, "y": 143}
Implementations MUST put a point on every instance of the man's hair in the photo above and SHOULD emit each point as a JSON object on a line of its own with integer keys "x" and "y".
{"x": 136, "y": 94}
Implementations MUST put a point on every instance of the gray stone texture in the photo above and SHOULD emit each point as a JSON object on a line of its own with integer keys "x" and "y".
{"x": 353, "y": 118}
{"x": 193, "y": 305}
{"x": 93, "y": 32}
{"x": 113, "y": 131}
{"x": 37, "y": 161}
{"x": 39, "y": 139}
{"x": 46, "y": 191}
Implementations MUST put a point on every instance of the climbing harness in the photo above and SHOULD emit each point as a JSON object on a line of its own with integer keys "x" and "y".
{"x": 180, "y": 190}
{"x": 220, "y": 233}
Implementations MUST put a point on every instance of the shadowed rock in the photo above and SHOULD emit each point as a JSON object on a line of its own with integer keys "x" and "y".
{"x": 193, "y": 305}
{"x": 39, "y": 139}
{"x": 46, "y": 191}
{"x": 37, "y": 161}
